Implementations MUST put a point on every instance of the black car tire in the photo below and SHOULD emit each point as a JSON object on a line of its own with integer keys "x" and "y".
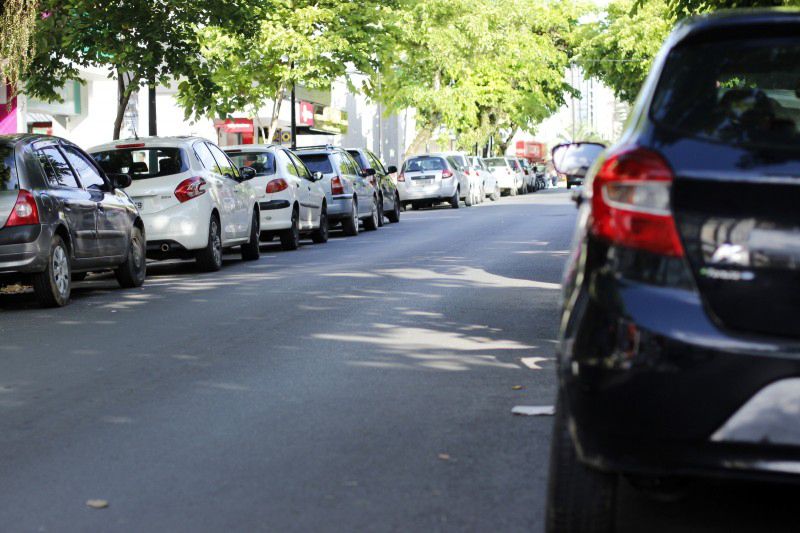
{"x": 251, "y": 250}
{"x": 53, "y": 286}
{"x": 320, "y": 235}
{"x": 371, "y": 223}
{"x": 380, "y": 212}
{"x": 209, "y": 259}
{"x": 350, "y": 224}
{"x": 394, "y": 215}
{"x": 580, "y": 499}
{"x": 454, "y": 199}
{"x": 290, "y": 238}
{"x": 133, "y": 271}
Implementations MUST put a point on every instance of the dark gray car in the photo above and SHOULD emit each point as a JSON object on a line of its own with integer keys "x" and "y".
{"x": 62, "y": 216}
{"x": 381, "y": 179}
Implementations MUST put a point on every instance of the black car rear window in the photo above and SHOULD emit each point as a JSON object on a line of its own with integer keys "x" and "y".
{"x": 8, "y": 168}
{"x": 424, "y": 164}
{"x": 262, "y": 162}
{"x": 143, "y": 163}
{"x": 744, "y": 92}
{"x": 360, "y": 159}
{"x": 317, "y": 162}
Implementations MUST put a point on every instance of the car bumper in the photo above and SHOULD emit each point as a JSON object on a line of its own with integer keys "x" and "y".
{"x": 443, "y": 190}
{"x": 339, "y": 207}
{"x": 24, "y": 249}
{"x": 670, "y": 393}
{"x": 276, "y": 214}
{"x": 185, "y": 224}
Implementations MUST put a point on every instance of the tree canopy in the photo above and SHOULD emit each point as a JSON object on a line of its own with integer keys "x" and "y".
{"x": 17, "y": 23}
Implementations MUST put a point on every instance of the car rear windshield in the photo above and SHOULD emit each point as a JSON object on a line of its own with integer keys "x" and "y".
{"x": 262, "y": 162}
{"x": 495, "y": 162}
{"x": 424, "y": 164}
{"x": 143, "y": 163}
{"x": 743, "y": 92}
{"x": 8, "y": 169}
{"x": 317, "y": 162}
{"x": 360, "y": 159}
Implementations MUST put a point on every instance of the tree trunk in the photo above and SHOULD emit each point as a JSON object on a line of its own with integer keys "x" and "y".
{"x": 123, "y": 96}
{"x": 276, "y": 109}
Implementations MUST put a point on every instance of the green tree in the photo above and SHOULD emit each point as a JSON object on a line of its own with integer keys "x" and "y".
{"x": 141, "y": 42}
{"x": 478, "y": 68}
{"x": 307, "y": 42}
{"x": 17, "y": 22}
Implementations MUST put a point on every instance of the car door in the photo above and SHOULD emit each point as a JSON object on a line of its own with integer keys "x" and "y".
{"x": 75, "y": 205}
{"x": 310, "y": 193}
{"x": 383, "y": 181}
{"x": 221, "y": 194}
{"x": 111, "y": 218}
{"x": 362, "y": 187}
{"x": 241, "y": 192}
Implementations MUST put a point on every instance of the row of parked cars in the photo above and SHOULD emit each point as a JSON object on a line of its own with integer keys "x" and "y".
{"x": 65, "y": 212}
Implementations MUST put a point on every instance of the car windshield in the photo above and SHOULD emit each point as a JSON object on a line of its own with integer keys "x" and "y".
{"x": 8, "y": 170}
{"x": 143, "y": 163}
{"x": 424, "y": 164}
{"x": 262, "y": 162}
{"x": 317, "y": 162}
{"x": 495, "y": 162}
{"x": 743, "y": 92}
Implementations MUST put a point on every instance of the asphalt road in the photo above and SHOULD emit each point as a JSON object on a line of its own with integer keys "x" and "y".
{"x": 362, "y": 385}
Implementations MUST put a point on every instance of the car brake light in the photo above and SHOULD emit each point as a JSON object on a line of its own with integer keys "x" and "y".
{"x": 336, "y": 185}
{"x": 24, "y": 212}
{"x": 190, "y": 188}
{"x": 401, "y": 177}
{"x": 447, "y": 174}
{"x": 468, "y": 172}
{"x": 277, "y": 185}
{"x": 631, "y": 202}
{"x": 136, "y": 145}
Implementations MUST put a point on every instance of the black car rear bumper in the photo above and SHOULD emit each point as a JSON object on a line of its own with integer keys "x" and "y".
{"x": 654, "y": 387}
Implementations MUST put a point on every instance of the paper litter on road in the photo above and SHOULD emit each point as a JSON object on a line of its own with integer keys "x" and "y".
{"x": 534, "y": 410}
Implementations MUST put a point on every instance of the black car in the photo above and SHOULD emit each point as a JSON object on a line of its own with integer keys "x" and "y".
{"x": 62, "y": 216}
{"x": 679, "y": 354}
{"x": 373, "y": 169}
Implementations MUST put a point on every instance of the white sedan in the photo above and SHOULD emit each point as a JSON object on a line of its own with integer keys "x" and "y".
{"x": 290, "y": 197}
{"x": 193, "y": 200}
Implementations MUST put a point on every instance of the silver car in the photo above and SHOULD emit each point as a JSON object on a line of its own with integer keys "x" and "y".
{"x": 429, "y": 179}
{"x": 349, "y": 194}
{"x": 489, "y": 186}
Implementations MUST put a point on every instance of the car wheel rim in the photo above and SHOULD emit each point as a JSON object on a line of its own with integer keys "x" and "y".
{"x": 60, "y": 267}
{"x": 217, "y": 242}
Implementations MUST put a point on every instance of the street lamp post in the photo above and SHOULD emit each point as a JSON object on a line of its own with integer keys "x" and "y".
{"x": 294, "y": 120}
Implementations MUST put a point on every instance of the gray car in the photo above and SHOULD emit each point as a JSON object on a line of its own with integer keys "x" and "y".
{"x": 349, "y": 194}
{"x": 62, "y": 216}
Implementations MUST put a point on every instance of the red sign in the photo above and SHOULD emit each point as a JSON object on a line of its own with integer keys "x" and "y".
{"x": 531, "y": 150}
{"x": 306, "y": 114}
{"x": 235, "y": 125}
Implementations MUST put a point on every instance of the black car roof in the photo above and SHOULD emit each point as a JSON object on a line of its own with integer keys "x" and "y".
{"x": 737, "y": 22}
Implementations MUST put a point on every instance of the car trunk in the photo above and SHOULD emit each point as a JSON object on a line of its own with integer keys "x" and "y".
{"x": 737, "y": 213}
{"x": 423, "y": 178}
{"x": 156, "y": 194}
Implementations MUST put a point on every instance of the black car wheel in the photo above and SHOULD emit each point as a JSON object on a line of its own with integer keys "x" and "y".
{"x": 394, "y": 214}
{"x": 53, "y": 286}
{"x": 350, "y": 224}
{"x": 380, "y": 211}
{"x": 290, "y": 238}
{"x": 132, "y": 272}
{"x": 454, "y": 199}
{"x": 579, "y": 498}
{"x": 320, "y": 235}
{"x": 251, "y": 250}
{"x": 209, "y": 259}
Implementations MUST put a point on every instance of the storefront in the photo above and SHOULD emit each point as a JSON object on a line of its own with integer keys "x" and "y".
{"x": 232, "y": 131}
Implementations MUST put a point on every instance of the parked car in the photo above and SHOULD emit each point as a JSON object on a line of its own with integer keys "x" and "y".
{"x": 350, "y": 196}
{"x": 509, "y": 180}
{"x": 429, "y": 179}
{"x": 678, "y": 355}
{"x": 489, "y": 186}
{"x": 577, "y": 157}
{"x": 518, "y": 167}
{"x": 381, "y": 179}
{"x": 61, "y": 216}
{"x": 290, "y": 198}
{"x": 194, "y": 201}
{"x": 471, "y": 184}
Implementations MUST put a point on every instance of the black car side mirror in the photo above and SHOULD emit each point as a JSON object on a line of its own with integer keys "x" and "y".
{"x": 575, "y": 159}
{"x": 391, "y": 169}
{"x": 247, "y": 173}
{"x": 120, "y": 181}
{"x": 367, "y": 172}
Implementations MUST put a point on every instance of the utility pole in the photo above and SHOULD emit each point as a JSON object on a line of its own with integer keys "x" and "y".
{"x": 294, "y": 115}
{"x": 152, "y": 129}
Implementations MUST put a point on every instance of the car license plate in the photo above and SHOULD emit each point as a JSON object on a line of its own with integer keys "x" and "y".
{"x": 422, "y": 182}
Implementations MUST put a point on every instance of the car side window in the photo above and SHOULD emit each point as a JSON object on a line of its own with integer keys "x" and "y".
{"x": 302, "y": 171}
{"x": 88, "y": 175}
{"x": 226, "y": 166}
{"x": 285, "y": 166}
{"x": 56, "y": 168}
{"x": 205, "y": 157}
{"x": 352, "y": 166}
{"x": 375, "y": 163}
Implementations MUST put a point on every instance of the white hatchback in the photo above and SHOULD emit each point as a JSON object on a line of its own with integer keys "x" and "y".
{"x": 193, "y": 200}
{"x": 290, "y": 197}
